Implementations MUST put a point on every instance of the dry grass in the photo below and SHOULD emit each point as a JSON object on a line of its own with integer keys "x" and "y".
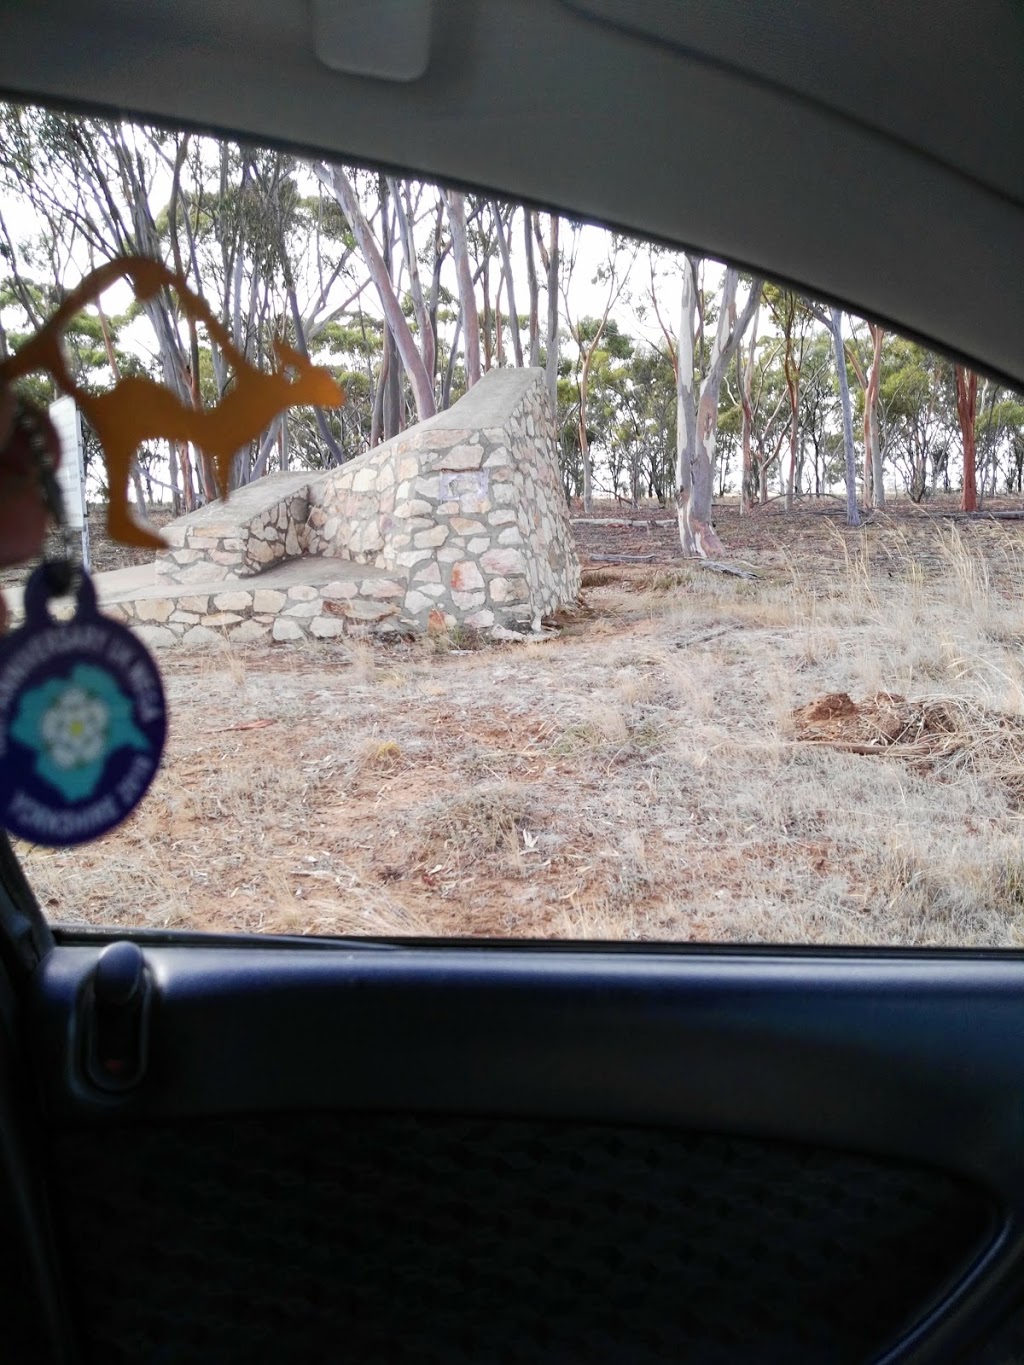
{"x": 652, "y": 773}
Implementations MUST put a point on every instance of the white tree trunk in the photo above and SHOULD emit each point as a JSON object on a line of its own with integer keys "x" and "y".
{"x": 852, "y": 514}
{"x": 746, "y": 400}
{"x": 871, "y": 434}
{"x": 403, "y": 212}
{"x": 336, "y": 182}
{"x": 534, "y": 289}
{"x": 467, "y": 294}
{"x": 506, "y": 265}
{"x": 551, "y": 369}
{"x": 697, "y": 428}
{"x": 794, "y": 430}
{"x": 686, "y": 407}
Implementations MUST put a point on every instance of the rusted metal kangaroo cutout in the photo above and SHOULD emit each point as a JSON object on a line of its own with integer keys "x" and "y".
{"x": 137, "y": 409}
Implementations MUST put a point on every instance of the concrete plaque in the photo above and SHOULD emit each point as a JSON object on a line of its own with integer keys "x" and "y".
{"x": 459, "y": 484}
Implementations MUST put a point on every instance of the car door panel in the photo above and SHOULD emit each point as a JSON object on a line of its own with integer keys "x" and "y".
{"x": 477, "y": 1153}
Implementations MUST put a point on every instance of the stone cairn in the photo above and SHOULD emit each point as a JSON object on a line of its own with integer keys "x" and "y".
{"x": 459, "y": 521}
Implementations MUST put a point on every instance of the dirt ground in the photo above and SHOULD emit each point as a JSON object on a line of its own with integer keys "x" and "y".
{"x": 829, "y": 752}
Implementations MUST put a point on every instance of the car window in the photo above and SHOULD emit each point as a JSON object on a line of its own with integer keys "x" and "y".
{"x": 627, "y": 596}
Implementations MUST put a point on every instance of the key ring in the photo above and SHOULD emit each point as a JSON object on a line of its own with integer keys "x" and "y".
{"x": 61, "y": 572}
{"x": 82, "y": 711}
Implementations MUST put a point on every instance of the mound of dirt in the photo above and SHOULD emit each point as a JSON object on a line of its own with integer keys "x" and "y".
{"x": 829, "y": 707}
{"x": 879, "y": 722}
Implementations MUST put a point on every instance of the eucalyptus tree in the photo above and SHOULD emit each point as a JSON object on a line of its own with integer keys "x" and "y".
{"x": 1000, "y": 434}
{"x": 504, "y": 218}
{"x": 915, "y": 420}
{"x": 833, "y": 321}
{"x": 551, "y": 258}
{"x": 868, "y": 369}
{"x": 697, "y": 410}
{"x": 793, "y": 320}
{"x": 588, "y": 332}
{"x": 467, "y": 292}
{"x": 852, "y": 512}
{"x": 337, "y": 182}
{"x": 966, "y": 384}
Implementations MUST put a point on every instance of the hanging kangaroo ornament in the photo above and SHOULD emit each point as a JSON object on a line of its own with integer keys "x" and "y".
{"x": 82, "y": 712}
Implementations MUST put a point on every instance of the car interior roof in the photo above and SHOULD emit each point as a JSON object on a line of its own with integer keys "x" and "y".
{"x": 870, "y": 154}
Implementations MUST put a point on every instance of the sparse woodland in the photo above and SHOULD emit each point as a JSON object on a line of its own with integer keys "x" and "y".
{"x": 829, "y": 751}
{"x": 672, "y": 379}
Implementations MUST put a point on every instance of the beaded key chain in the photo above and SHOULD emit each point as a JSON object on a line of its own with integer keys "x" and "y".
{"x": 82, "y": 712}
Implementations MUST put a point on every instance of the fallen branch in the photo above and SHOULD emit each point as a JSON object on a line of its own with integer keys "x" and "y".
{"x": 623, "y": 559}
{"x": 716, "y": 566}
{"x": 893, "y": 750}
{"x": 622, "y": 521}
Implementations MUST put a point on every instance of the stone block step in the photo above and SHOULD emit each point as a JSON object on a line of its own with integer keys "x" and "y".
{"x": 298, "y": 599}
{"x": 257, "y": 527}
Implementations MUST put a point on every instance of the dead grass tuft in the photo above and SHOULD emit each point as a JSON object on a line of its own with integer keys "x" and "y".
{"x": 485, "y": 819}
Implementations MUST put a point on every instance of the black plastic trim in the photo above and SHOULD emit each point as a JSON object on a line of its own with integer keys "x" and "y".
{"x": 920, "y": 1058}
{"x": 25, "y": 935}
{"x": 35, "y": 1315}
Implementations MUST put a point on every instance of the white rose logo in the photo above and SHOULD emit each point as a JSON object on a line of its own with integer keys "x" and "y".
{"x": 73, "y": 725}
{"x": 74, "y": 729}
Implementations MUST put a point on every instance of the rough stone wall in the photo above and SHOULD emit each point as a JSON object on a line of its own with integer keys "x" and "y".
{"x": 255, "y": 528}
{"x": 467, "y": 505}
{"x": 323, "y": 611}
{"x": 460, "y": 520}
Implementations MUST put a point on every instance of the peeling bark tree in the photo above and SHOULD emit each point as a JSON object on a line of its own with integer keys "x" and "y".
{"x": 745, "y": 376}
{"x": 870, "y": 379}
{"x": 467, "y": 294}
{"x": 534, "y": 288}
{"x": 967, "y": 415}
{"x": 836, "y": 328}
{"x": 697, "y": 422}
{"x": 337, "y": 183}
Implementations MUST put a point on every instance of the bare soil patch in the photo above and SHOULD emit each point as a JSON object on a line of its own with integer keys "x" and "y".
{"x": 830, "y": 753}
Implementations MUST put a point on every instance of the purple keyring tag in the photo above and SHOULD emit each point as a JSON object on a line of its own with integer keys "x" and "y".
{"x": 82, "y": 720}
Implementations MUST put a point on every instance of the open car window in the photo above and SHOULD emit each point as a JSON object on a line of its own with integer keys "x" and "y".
{"x": 628, "y": 596}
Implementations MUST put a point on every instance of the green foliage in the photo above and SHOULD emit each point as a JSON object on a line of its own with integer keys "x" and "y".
{"x": 916, "y": 418}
